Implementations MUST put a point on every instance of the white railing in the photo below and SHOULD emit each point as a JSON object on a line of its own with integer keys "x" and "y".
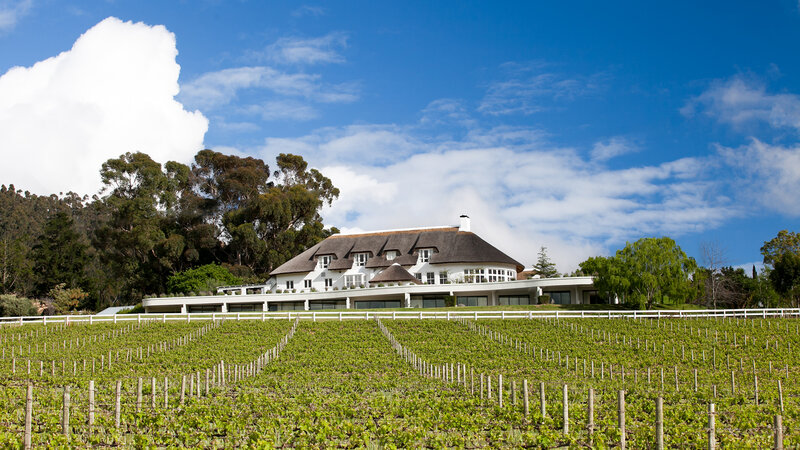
{"x": 407, "y": 314}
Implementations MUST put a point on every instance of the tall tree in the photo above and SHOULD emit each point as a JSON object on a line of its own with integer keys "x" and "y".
{"x": 544, "y": 266}
{"x": 785, "y": 277}
{"x": 59, "y": 256}
{"x": 645, "y": 272}
{"x": 714, "y": 260}
{"x": 785, "y": 242}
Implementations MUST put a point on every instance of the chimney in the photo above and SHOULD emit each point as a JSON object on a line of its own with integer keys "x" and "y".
{"x": 464, "y": 226}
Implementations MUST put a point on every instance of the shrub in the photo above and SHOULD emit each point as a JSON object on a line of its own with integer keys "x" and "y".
{"x": 544, "y": 299}
{"x": 203, "y": 278}
{"x": 11, "y": 305}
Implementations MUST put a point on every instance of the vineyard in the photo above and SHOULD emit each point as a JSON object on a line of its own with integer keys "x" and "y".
{"x": 540, "y": 382}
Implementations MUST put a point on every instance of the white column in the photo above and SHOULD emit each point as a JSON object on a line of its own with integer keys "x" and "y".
{"x": 305, "y": 304}
{"x": 265, "y": 307}
{"x": 408, "y": 299}
{"x": 493, "y": 297}
{"x": 243, "y": 291}
{"x": 224, "y": 307}
{"x": 263, "y": 289}
{"x": 347, "y": 303}
{"x": 183, "y": 308}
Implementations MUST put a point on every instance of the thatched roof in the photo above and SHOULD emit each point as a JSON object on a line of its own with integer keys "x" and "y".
{"x": 395, "y": 273}
{"x": 449, "y": 246}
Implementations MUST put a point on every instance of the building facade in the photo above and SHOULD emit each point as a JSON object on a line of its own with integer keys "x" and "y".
{"x": 425, "y": 267}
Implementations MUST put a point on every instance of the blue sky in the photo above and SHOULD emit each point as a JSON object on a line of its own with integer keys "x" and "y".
{"x": 574, "y": 125}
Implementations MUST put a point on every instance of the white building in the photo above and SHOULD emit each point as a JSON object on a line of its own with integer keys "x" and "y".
{"x": 421, "y": 267}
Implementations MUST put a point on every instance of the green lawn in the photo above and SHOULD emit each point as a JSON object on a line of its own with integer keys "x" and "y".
{"x": 596, "y": 307}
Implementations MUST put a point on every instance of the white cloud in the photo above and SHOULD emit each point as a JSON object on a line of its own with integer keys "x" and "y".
{"x": 308, "y": 10}
{"x": 11, "y": 12}
{"x": 111, "y": 93}
{"x": 215, "y": 89}
{"x": 769, "y": 174}
{"x": 519, "y": 190}
{"x": 611, "y": 148}
{"x": 528, "y": 90}
{"x": 293, "y": 50}
{"x": 739, "y": 101}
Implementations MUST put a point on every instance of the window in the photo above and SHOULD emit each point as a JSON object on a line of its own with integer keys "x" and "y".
{"x": 361, "y": 259}
{"x": 472, "y": 301}
{"x": 443, "y": 278}
{"x": 514, "y": 300}
{"x": 328, "y": 282}
{"x": 390, "y": 255}
{"x": 354, "y": 280}
{"x": 324, "y": 261}
{"x": 419, "y": 276}
{"x": 290, "y": 285}
{"x": 560, "y": 298}
{"x": 424, "y": 255}
{"x": 306, "y": 284}
{"x": 430, "y": 278}
{"x": 474, "y": 276}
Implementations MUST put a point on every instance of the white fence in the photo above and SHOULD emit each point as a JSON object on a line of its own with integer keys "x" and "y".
{"x": 371, "y": 314}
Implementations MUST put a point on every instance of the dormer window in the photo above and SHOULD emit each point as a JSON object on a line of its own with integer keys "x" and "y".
{"x": 360, "y": 259}
{"x": 424, "y": 255}
{"x": 324, "y": 261}
{"x": 390, "y": 255}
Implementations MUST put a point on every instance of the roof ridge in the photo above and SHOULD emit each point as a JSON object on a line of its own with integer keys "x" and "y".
{"x": 397, "y": 231}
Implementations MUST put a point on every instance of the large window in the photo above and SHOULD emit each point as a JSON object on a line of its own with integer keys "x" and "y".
{"x": 354, "y": 280}
{"x": 306, "y": 284}
{"x": 560, "y": 298}
{"x": 514, "y": 300}
{"x": 204, "y": 308}
{"x": 443, "y": 278}
{"x": 472, "y": 301}
{"x": 377, "y": 304}
{"x": 474, "y": 276}
{"x": 290, "y": 284}
{"x": 245, "y": 307}
{"x": 419, "y": 277}
{"x": 326, "y": 304}
{"x": 430, "y": 278}
{"x": 328, "y": 282}
{"x": 424, "y": 255}
{"x": 324, "y": 261}
{"x": 360, "y": 259}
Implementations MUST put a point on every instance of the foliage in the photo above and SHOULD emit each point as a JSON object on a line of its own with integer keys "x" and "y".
{"x": 544, "y": 267}
{"x": 648, "y": 271}
{"x": 203, "y": 278}
{"x": 785, "y": 242}
{"x": 13, "y": 306}
{"x": 785, "y": 276}
{"x": 60, "y": 255}
{"x": 66, "y": 299}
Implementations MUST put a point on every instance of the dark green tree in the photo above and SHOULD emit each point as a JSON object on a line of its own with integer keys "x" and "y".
{"x": 60, "y": 255}
{"x": 785, "y": 277}
{"x": 544, "y": 266}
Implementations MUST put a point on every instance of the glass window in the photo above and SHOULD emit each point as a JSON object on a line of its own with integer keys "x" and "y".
{"x": 306, "y": 284}
{"x": 361, "y": 259}
{"x": 377, "y": 304}
{"x": 354, "y": 280}
{"x": 290, "y": 285}
{"x": 514, "y": 300}
{"x": 324, "y": 261}
{"x": 443, "y": 278}
{"x": 390, "y": 255}
{"x": 328, "y": 282}
{"x": 430, "y": 278}
{"x": 472, "y": 301}
{"x": 419, "y": 276}
{"x": 560, "y": 298}
{"x": 424, "y": 255}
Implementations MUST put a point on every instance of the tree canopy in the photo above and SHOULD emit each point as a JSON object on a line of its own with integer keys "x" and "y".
{"x": 152, "y": 221}
{"x": 544, "y": 267}
{"x": 645, "y": 272}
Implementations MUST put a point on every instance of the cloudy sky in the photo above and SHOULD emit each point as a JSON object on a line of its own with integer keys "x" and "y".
{"x": 577, "y": 126}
